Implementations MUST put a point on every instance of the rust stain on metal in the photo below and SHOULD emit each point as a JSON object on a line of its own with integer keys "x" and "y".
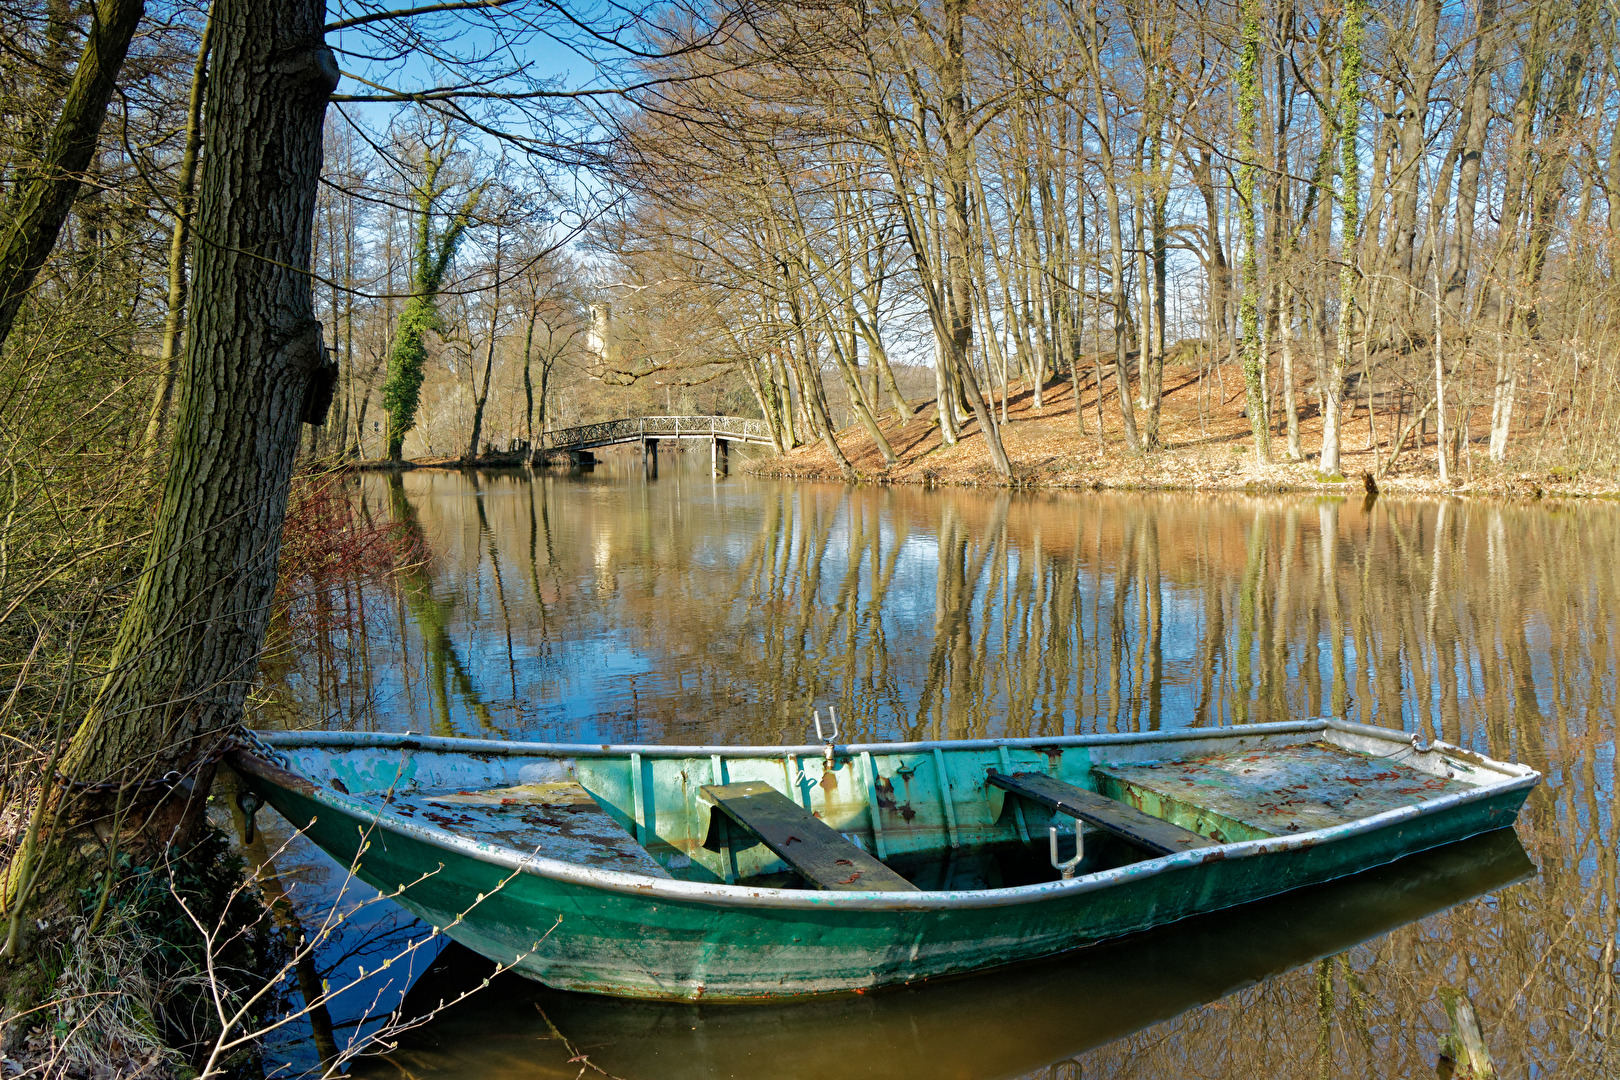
{"x": 254, "y": 765}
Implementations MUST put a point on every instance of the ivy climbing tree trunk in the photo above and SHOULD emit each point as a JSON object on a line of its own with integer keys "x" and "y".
{"x": 1254, "y": 362}
{"x": 433, "y": 251}
{"x": 1349, "y": 113}
{"x": 188, "y": 646}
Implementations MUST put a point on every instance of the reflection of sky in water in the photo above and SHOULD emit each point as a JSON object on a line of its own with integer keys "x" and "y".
{"x": 605, "y": 607}
{"x": 609, "y": 606}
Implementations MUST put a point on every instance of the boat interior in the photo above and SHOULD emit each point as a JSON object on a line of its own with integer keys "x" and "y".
{"x": 897, "y": 817}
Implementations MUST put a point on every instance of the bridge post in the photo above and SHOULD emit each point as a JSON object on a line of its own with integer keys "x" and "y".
{"x": 649, "y": 456}
{"x": 719, "y": 455}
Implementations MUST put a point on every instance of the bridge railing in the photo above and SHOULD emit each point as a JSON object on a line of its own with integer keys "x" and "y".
{"x": 635, "y": 428}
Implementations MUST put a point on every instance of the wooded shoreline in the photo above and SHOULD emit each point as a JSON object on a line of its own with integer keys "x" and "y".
{"x": 1208, "y": 447}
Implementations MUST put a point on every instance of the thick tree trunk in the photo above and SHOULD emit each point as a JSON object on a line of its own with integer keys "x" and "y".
{"x": 188, "y": 648}
{"x": 40, "y": 207}
{"x": 1111, "y": 182}
{"x": 1414, "y": 118}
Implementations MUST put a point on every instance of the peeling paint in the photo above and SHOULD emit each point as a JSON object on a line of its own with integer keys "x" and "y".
{"x": 646, "y": 926}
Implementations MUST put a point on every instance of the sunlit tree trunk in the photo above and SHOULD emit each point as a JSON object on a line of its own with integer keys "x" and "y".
{"x": 188, "y": 647}
{"x": 1472, "y": 127}
{"x": 958, "y": 231}
{"x": 482, "y": 398}
{"x": 1348, "y": 115}
{"x": 1111, "y": 182}
{"x": 1254, "y": 362}
{"x": 179, "y": 242}
{"x": 1285, "y": 326}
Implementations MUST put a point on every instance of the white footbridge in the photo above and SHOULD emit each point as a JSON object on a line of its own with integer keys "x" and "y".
{"x": 576, "y": 443}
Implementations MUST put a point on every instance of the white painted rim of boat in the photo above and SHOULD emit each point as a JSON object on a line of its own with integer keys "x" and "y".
{"x": 720, "y": 895}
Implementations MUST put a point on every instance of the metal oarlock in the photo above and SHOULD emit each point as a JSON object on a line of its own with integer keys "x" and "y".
{"x": 1067, "y": 868}
{"x": 248, "y": 802}
{"x": 827, "y": 737}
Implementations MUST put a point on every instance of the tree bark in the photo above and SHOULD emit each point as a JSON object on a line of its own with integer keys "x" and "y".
{"x": 958, "y": 231}
{"x": 41, "y": 207}
{"x": 1414, "y": 118}
{"x": 1111, "y": 183}
{"x": 528, "y": 381}
{"x": 1254, "y": 359}
{"x": 188, "y": 646}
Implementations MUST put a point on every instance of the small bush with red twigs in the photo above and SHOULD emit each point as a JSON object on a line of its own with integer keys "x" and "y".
{"x": 330, "y": 551}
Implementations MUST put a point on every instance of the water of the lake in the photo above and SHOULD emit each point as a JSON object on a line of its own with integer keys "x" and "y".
{"x": 610, "y": 606}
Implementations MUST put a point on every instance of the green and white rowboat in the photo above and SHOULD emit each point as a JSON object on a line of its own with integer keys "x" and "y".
{"x": 750, "y": 873}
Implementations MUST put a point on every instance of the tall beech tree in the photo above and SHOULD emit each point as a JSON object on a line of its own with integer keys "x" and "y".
{"x": 1348, "y": 122}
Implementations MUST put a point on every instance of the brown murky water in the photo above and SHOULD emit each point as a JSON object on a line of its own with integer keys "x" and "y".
{"x": 607, "y": 606}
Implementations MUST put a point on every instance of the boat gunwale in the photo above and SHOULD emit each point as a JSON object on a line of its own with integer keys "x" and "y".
{"x": 1515, "y": 777}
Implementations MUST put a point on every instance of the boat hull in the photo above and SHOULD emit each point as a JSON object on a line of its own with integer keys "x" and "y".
{"x": 680, "y": 941}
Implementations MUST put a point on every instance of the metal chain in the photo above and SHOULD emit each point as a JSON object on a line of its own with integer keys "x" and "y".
{"x": 245, "y": 738}
{"x": 242, "y": 737}
{"x": 170, "y": 779}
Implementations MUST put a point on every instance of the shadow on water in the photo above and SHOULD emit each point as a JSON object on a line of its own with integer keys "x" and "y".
{"x": 1008, "y": 1023}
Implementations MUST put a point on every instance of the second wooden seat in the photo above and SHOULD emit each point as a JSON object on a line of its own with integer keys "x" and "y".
{"x": 817, "y": 851}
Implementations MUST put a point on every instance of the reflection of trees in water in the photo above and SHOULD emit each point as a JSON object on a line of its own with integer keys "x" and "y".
{"x": 432, "y": 617}
{"x": 965, "y": 613}
{"x": 1490, "y": 626}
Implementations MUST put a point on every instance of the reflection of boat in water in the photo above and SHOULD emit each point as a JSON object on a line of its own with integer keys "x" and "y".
{"x": 772, "y": 872}
{"x": 1007, "y": 1023}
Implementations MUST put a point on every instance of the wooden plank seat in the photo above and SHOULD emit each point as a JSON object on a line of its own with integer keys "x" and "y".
{"x": 1123, "y": 820}
{"x": 806, "y": 843}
